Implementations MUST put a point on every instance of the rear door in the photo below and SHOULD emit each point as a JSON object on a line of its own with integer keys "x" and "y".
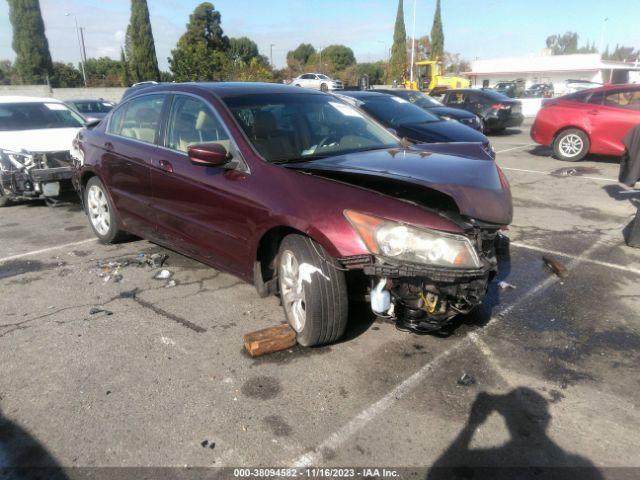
{"x": 611, "y": 114}
{"x": 200, "y": 210}
{"x": 128, "y": 149}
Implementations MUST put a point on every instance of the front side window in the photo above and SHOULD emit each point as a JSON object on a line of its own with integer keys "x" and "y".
{"x": 299, "y": 127}
{"x": 456, "y": 98}
{"x": 191, "y": 122}
{"x": 36, "y": 115}
{"x": 140, "y": 118}
{"x": 629, "y": 99}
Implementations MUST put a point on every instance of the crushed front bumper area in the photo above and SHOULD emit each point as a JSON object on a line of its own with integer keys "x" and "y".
{"x": 46, "y": 174}
{"x": 422, "y": 298}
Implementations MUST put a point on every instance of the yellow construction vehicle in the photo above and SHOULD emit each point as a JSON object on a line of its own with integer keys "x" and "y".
{"x": 428, "y": 78}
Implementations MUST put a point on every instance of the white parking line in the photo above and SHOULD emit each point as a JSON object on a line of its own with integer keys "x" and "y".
{"x": 601, "y": 179}
{"x": 582, "y": 258}
{"x": 45, "y": 250}
{"x": 516, "y": 148}
{"x": 353, "y": 426}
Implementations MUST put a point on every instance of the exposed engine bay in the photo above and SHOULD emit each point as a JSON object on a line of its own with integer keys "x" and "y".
{"x": 34, "y": 174}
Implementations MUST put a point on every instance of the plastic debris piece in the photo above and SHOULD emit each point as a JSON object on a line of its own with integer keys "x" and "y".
{"x": 506, "y": 286}
{"x": 170, "y": 283}
{"x": 466, "y": 380}
{"x": 555, "y": 266}
{"x": 204, "y": 443}
{"x": 96, "y": 310}
{"x": 162, "y": 275}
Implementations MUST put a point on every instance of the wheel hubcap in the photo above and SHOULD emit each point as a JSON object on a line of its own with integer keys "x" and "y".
{"x": 571, "y": 145}
{"x": 292, "y": 291}
{"x": 98, "y": 210}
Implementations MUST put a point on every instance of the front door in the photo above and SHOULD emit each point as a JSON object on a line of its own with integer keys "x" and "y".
{"x": 200, "y": 210}
{"x": 611, "y": 114}
{"x": 128, "y": 147}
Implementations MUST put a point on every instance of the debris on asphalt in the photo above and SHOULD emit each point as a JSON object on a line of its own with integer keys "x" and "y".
{"x": 506, "y": 286}
{"x": 555, "y": 266}
{"x": 466, "y": 380}
{"x": 110, "y": 271}
{"x": 269, "y": 340}
{"x": 163, "y": 275}
{"x": 205, "y": 444}
{"x": 96, "y": 310}
{"x": 170, "y": 283}
{"x": 155, "y": 260}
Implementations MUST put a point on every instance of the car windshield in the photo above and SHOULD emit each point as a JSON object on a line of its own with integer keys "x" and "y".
{"x": 302, "y": 126}
{"x": 420, "y": 99}
{"x": 323, "y": 77}
{"x": 97, "y": 106}
{"x": 35, "y": 115}
{"x": 395, "y": 111}
{"x": 496, "y": 96}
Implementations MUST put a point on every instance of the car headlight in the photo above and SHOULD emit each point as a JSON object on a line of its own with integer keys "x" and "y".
{"x": 398, "y": 241}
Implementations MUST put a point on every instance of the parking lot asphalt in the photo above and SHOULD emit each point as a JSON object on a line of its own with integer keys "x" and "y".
{"x": 553, "y": 363}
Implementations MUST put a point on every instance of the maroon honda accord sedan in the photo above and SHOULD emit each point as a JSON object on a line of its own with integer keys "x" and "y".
{"x": 301, "y": 195}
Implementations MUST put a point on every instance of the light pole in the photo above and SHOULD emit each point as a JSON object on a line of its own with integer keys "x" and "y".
{"x": 271, "y": 53}
{"x": 413, "y": 43}
{"x": 80, "y": 46}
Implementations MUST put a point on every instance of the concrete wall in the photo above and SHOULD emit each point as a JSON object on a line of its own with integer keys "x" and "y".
{"x": 108, "y": 93}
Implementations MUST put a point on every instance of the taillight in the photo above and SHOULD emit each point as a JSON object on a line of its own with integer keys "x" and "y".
{"x": 499, "y": 106}
{"x": 503, "y": 179}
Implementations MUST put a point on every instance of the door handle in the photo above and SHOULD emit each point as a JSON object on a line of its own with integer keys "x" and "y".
{"x": 166, "y": 166}
{"x": 108, "y": 146}
{"x": 593, "y": 112}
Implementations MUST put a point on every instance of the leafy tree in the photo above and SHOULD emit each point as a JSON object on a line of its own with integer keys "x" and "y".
{"x": 398, "y": 63}
{"x": 376, "y": 72}
{"x": 337, "y": 57}
{"x": 437, "y": 35}
{"x": 125, "y": 79}
{"x": 166, "y": 77}
{"x": 7, "y": 73}
{"x": 243, "y": 49}
{"x": 103, "y": 72}
{"x": 256, "y": 70}
{"x": 301, "y": 54}
{"x": 201, "y": 52}
{"x": 33, "y": 59}
{"x": 565, "y": 44}
{"x": 622, "y": 54}
{"x": 422, "y": 46}
{"x": 65, "y": 75}
{"x": 141, "y": 49}
{"x": 454, "y": 63}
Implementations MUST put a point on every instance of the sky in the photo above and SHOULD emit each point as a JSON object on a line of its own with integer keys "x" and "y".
{"x": 472, "y": 28}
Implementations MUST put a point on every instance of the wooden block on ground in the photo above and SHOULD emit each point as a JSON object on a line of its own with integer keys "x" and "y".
{"x": 269, "y": 340}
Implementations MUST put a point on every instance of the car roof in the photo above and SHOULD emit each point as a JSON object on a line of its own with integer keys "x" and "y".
{"x": 227, "y": 89}
{"x": 26, "y": 99}
{"x": 89, "y": 100}
{"x": 605, "y": 88}
{"x": 363, "y": 94}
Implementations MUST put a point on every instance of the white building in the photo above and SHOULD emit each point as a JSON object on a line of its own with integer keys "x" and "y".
{"x": 556, "y": 69}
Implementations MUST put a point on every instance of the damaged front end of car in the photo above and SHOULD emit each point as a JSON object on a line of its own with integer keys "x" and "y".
{"x": 34, "y": 174}
{"x": 423, "y": 278}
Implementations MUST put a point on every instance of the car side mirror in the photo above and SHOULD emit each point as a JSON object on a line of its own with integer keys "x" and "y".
{"x": 208, "y": 154}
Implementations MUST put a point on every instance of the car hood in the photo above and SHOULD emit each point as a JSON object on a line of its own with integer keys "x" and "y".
{"x": 454, "y": 113}
{"x": 443, "y": 131}
{"x": 471, "y": 181}
{"x": 42, "y": 140}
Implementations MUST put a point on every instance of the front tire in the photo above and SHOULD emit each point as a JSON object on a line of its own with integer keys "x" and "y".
{"x": 571, "y": 145}
{"x": 313, "y": 291}
{"x": 324, "y": 88}
{"x": 102, "y": 215}
{"x": 4, "y": 200}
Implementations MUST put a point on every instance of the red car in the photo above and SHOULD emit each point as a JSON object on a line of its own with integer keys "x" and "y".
{"x": 301, "y": 195}
{"x": 590, "y": 121}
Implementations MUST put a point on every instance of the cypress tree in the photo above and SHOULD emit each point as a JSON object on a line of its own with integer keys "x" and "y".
{"x": 125, "y": 80}
{"x": 437, "y": 35}
{"x": 201, "y": 52}
{"x": 140, "y": 45}
{"x": 398, "y": 62}
{"x": 33, "y": 59}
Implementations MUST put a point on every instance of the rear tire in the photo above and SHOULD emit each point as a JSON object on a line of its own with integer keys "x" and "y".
{"x": 102, "y": 216}
{"x": 324, "y": 88}
{"x": 571, "y": 145}
{"x": 313, "y": 291}
{"x": 4, "y": 200}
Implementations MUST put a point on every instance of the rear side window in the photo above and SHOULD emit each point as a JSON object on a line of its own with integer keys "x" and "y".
{"x": 139, "y": 119}
{"x": 191, "y": 122}
{"x": 629, "y": 99}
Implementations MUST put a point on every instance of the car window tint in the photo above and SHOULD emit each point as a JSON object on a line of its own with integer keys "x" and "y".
{"x": 116, "y": 122}
{"x": 595, "y": 98}
{"x": 191, "y": 122}
{"x": 141, "y": 118}
{"x": 456, "y": 98}
{"x": 629, "y": 99}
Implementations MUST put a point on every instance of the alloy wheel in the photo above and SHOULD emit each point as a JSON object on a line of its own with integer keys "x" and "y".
{"x": 98, "y": 207}
{"x": 292, "y": 290}
{"x": 571, "y": 145}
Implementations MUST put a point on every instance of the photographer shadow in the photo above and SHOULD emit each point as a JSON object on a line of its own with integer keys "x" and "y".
{"x": 528, "y": 454}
